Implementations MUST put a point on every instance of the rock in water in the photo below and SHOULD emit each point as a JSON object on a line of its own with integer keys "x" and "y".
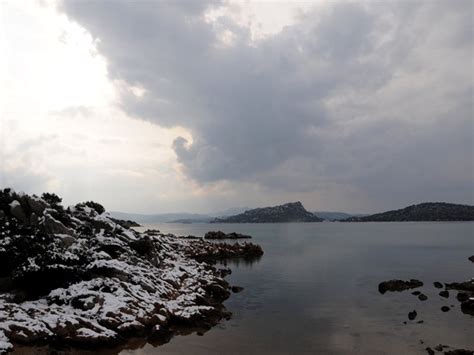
{"x": 412, "y": 315}
{"x": 422, "y": 297}
{"x": 438, "y": 284}
{"x": 444, "y": 294}
{"x": 222, "y": 235}
{"x": 398, "y": 285}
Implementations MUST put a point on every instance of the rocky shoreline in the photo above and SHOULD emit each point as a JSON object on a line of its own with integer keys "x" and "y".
{"x": 74, "y": 277}
{"x": 463, "y": 293}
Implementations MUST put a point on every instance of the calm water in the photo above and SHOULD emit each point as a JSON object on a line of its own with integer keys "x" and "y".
{"x": 315, "y": 290}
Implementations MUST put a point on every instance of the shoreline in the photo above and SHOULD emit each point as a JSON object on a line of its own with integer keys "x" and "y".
{"x": 96, "y": 285}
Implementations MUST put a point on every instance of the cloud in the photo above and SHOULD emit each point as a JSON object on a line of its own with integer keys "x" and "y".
{"x": 368, "y": 95}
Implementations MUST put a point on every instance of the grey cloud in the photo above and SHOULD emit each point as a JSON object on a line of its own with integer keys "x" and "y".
{"x": 253, "y": 110}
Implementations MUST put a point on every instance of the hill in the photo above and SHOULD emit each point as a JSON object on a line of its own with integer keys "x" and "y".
{"x": 428, "y": 211}
{"x": 335, "y": 216}
{"x": 289, "y": 212}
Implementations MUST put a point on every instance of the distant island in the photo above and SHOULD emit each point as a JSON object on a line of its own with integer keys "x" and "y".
{"x": 428, "y": 211}
{"x": 289, "y": 212}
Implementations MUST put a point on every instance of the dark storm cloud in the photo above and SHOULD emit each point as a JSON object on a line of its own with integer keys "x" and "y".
{"x": 363, "y": 94}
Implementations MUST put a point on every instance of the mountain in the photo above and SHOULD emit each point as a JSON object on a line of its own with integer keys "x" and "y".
{"x": 289, "y": 212}
{"x": 335, "y": 216}
{"x": 428, "y": 211}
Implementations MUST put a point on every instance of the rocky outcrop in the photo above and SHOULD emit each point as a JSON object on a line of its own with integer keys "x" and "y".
{"x": 75, "y": 277}
{"x": 399, "y": 285}
{"x": 222, "y": 235}
{"x": 289, "y": 212}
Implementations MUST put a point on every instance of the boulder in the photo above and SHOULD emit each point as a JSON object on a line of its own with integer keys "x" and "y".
{"x": 53, "y": 226}
{"x": 444, "y": 294}
{"x": 412, "y": 315}
{"x": 17, "y": 211}
{"x": 422, "y": 297}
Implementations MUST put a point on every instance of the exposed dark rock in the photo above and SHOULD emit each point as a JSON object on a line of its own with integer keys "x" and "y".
{"x": 222, "y": 235}
{"x": 237, "y": 289}
{"x": 422, "y": 297}
{"x": 445, "y": 309}
{"x": 430, "y": 351}
{"x": 461, "y": 286}
{"x": 459, "y": 352}
{"x": 444, "y": 294}
{"x": 438, "y": 284}
{"x": 416, "y": 293}
{"x": 467, "y": 306}
{"x": 471, "y": 258}
{"x": 210, "y": 252}
{"x": 412, "y": 315}
{"x": 398, "y": 285}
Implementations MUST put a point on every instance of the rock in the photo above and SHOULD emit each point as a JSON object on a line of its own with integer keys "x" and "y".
{"x": 416, "y": 293}
{"x": 445, "y": 309}
{"x": 461, "y": 286}
{"x": 444, "y": 294}
{"x": 440, "y": 347}
{"x": 430, "y": 351}
{"x": 412, "y": 315}
{"x": 225, "y": 272}
{"x": 53, "y": 226}
{"x": 459, "y": 352}
{"x": 67, "y": 240}
{"x": 154, "y": 232}
{"x": 33, "y": 220}
{"x": 398, "y": 285}
{"x": 471, "y": 258}
{"x": 438, "y": 284}
{"x": 36, "y": 204}
{"x": 215, "y": 235}
{"x": 237, "y": 289}
{"x": 467, "y": 307}
{"x": 422, "y": 297}
{"x": 217, "y": 291}
{"x": 221, "y": 235}
{"x": 86, "y": 302}
{"x": 462, "y": 296}
{"x": 17, "y": 211}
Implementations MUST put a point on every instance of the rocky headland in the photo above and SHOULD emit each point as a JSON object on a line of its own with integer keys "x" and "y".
{"x": 75, "y": 277}
{"x": 288, "y": 212}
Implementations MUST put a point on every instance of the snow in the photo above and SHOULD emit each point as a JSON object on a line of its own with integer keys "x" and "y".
{"x": 123, "y": 290}
{"x": 14, "y": 204}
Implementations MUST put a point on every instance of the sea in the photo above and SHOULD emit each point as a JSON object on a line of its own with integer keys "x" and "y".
{"x": 315, "y": 290}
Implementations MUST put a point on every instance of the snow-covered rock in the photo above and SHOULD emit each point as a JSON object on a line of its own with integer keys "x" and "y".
{"x": 85, "y": 280}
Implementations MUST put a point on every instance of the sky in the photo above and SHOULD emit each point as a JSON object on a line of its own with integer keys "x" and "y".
{"x": 199, "y": 106}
